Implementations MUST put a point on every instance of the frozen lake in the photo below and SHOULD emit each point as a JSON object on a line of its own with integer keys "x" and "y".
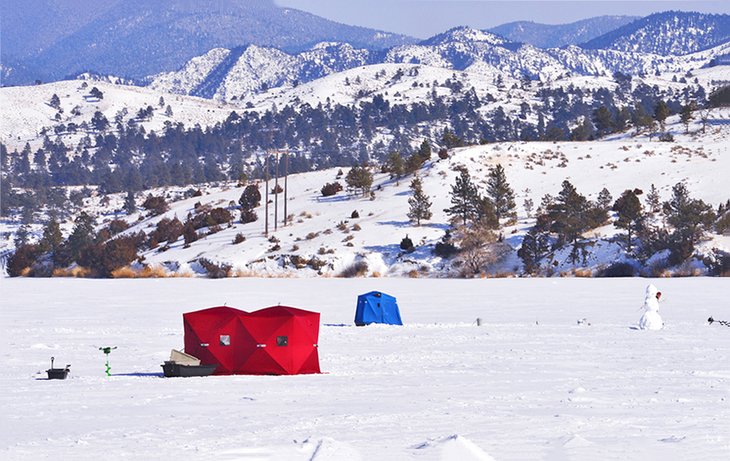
{"x": 530, "y": 383}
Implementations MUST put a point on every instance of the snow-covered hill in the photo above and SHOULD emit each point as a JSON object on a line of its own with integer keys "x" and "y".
{"x": 557, "y": 35}
{"x": 321, "y": 235}
{"x": 234, "y": 74}
{"x": 671, "y": 33}
{"x": 27, "y": 114}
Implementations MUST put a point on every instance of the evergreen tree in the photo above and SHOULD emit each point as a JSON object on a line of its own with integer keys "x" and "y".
{"x": 81, "y": 238}
{"x": 630, "y": 215}
{"x": 568, "y": 214}
{"x": 486, "y": 213}
{"x": 603, "y": 120}
{"x": 250, "y": 198}
{"x": 21, "y": 236}
{"x": 420, "y": 205}
{"x": 55, "y": 101}
{"x": 604, "y": 199}
{"x": 623, "y": 117}
{"x": 52, "y": 237}
{"x": 464, "y": 197}
{"x": 535, "y": 246}
{"x": 99, "y": 121}
{"x": 661, "y": 112}
{"x": 686, "y": 115}
{"x": 424, "y": 152}
{"x": 690, "y": 218}
{"x": 653, "y": 200}
{"x": 394, "y": 165}
{"x": 582, "y": 132}
{"x": 359, "y": 178}
{"x": 500, "y": 192}
{"x": 129, "y": 204}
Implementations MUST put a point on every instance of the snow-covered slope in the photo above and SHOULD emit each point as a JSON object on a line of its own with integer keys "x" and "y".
{"x": 557, "y": 35}
{"x": 529, "y": 384}
{"x": 668, "y": 33}
{"x": 254, "y": 69}
{"x": 26, "y": 111}
{"x": 321, "y": 235}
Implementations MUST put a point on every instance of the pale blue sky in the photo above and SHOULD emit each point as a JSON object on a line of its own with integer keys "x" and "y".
{"x": 424, "y": 18}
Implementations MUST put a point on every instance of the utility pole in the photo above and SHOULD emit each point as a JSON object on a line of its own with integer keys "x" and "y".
{"x": 286, "y": 177}
{"x": 266, "y": 199}
{"x": 276, "y": 191}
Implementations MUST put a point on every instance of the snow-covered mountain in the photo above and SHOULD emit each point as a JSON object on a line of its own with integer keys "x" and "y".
{"x": 557, "y": 35}
{"x": 235, "y": 74}
{"x": 137, "y": 38}
{"x": 671, "y": 33}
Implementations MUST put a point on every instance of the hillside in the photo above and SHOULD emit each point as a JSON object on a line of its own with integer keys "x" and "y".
{"x": 226, "y": 74}
{"x": 671, "y": 33}
{"x": 322, "y": 237}
{"x": 558, "y": 35}
{"x": 27, "y": 113}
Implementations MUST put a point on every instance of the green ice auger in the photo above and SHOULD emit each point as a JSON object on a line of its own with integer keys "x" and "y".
{"x": 107, "y": 350}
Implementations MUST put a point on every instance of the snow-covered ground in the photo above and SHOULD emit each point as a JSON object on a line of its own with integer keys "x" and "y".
{"x": 530, "y": 383}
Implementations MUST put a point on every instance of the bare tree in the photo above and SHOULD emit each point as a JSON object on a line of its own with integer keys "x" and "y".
{"x": 479, "y": 248}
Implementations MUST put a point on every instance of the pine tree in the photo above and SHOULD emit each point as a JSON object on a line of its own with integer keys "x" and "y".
{"x": 359, "y": 178}
{"x": 420, "y": 205}
{"x": 55, "y": 101}
{"x": 630, "y": 215}
{"x": 394, "y": 165}
{"x": 250, "y": 198}
{"x": 464, "y": 197}
{"x": 686, "y": 115}
{"x": 603, "y": 120}
{"x": 568, "y": 214}
{"x": 690, "y": 218}
{"x": 661, "y": 112}
{"x": 535, "y": 246}
{"x": 52, "y": 237}
{"x": 604, "y": 199}
{"x": 500, "y": 192}
{"x": 129, "y": 204}
{"x": 424, "y": 152}
{"x": 653, "y": 200}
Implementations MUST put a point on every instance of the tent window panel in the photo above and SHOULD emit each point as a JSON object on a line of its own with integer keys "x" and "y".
{"x": 282, "y": 341}
{"x": 225, "y": 340}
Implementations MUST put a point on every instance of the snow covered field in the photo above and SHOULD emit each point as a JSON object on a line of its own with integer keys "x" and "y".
{"x": 530, "y": 383}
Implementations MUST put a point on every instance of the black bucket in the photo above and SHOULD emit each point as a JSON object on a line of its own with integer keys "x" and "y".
{"x": 57, "y": 373}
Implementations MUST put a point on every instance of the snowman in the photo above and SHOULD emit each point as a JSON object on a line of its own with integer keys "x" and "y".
{"x": 651, "y": 320}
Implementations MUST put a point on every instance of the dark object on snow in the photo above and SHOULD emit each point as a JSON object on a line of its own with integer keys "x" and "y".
{"x": 178, "y": 370}
{"x": 57, "y": 373}
{"x": 721, "y": 322}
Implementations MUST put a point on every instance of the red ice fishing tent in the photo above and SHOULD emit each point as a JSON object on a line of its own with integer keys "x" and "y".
{"x": 277, "y": 340}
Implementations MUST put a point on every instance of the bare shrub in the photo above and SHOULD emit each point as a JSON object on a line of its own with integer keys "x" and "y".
{"x": 215, "y": 271}
{"x": 356, "y": 269}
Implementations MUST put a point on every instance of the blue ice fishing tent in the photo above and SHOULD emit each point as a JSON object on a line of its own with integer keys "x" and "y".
{"x": 377, "y": 307}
